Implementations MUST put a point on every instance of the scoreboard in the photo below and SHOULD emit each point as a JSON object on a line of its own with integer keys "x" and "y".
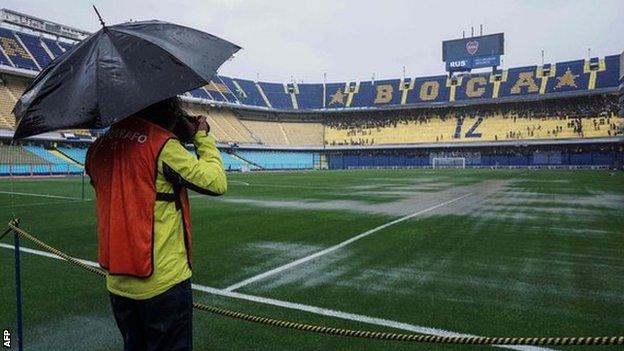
{"x": 474, "y": 52}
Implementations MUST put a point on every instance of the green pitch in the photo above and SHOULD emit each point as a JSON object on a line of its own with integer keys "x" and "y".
{"x": 482, "y": 252}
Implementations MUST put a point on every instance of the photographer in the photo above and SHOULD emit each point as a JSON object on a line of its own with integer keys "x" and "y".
{"x": 141, "y": 172}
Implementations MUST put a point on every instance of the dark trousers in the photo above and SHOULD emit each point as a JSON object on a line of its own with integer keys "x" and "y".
{"x": 162, "y": 323}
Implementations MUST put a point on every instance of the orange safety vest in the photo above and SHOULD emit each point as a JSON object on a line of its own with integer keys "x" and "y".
{"x": 123, "y": 165}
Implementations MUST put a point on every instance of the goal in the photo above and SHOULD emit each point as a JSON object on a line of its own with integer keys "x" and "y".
{"x": 449, "y": 162}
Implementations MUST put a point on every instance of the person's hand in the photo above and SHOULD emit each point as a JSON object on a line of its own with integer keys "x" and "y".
{"x": 202, "y": 124}
{"x": 185, "y": 129}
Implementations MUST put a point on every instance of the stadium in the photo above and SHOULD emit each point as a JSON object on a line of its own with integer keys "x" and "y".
{"x": 463, "y": 204}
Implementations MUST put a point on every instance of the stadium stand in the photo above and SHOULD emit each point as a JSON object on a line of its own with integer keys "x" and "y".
{"x": 65, "y": 45}
{"x": 33, "y": 160}
{"x": 7, "y": 120}
{"x": 280, "y": 159}
{"x": 11, "y": 88}
{"x": 53, "y": 46}
{"x": 18, "y": 155}
{"x": 573, "y": 102}
{"x": 14, "y": 50}
{"x": 304, "y": 134}
{"x": 286, "y": 133}
{"x": 59, "y": 165}
{"x": 233, "y": 163}
{"x": 34, "y": 46}
{"x": 559, "y": 79}
{"x": 270, "y": 133}
{"x": 224, "y": 124}
{"x": 578, "y": 118}
{"x": 78, "y": 155}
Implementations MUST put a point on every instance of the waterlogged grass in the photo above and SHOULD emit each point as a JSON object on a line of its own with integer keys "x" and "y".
{"x": 543, "y": 255}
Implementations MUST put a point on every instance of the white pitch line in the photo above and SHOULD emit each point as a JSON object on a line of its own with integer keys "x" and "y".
{"x": 238, "y": 182}
{"x": 35, "y": 204}
{"x": 301, "y": 307}
{"x": 42, "y": 195}
{"x": 337, "y": 246}
{"x": 47, "y": 254}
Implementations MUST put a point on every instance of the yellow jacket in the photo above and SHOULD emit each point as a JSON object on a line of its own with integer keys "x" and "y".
{"x": 204, "y": 174}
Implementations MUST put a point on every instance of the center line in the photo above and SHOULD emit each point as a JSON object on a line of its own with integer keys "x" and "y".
{"x": 337, "y": 246}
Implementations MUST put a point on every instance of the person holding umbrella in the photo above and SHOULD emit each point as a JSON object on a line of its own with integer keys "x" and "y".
{"x": 140, "y": 171}
{"x": 128, "y": 76}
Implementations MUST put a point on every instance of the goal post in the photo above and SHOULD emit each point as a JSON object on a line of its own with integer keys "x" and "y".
{"x": 449, "y": 162}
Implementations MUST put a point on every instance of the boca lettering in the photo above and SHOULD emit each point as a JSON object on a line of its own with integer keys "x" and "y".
{"x": 384, "y": 94}
{"x": 476, "y": 87}
{"x": 525, "y": 80}
{"x": 429, "y": 91}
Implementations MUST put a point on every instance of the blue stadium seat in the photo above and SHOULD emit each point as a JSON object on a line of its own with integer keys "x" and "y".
{"x": 277, "y": 95}
{"x": 231, "y": 163}
{"x": 249, "y": 92}
{"x": 199, "y": 93}
{"x": 280, "y": 159}
{"x": 58, "y": 165}
{"x": 3, "y": 60}
{"x": 225, "y": 90}
{"x": 53, "y": 46}
{"x": 15, "y": 51}
{"x": 310, "y": 96}
{"x": 77, "y": 154}
{"x": 606, "y": 79}
{"x": 33, "y": 44}
{"x": 569, "y": 77}
{"x": 65, "y": 45}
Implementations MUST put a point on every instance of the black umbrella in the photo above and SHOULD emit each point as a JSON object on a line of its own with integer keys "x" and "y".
{"x": 116, "y": 72}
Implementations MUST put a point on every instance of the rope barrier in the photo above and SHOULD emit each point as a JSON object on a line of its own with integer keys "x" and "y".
{"x": 365, "y": 334}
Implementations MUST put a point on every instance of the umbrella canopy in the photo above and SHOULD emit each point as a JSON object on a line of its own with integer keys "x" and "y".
{"x": 116, "y": 72}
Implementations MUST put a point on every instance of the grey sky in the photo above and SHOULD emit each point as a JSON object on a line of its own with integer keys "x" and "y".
{"x": 350, "y": 39}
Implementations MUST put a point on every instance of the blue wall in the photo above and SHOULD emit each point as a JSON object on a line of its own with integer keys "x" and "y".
{"x": 345, "y": 161}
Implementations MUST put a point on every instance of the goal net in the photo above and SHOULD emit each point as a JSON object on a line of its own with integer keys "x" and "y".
{"x": 449, "y": 162}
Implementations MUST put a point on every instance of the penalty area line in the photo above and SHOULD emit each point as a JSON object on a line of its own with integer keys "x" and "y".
{"x": 338, "y": 246}
{"x": 382, "y": 322}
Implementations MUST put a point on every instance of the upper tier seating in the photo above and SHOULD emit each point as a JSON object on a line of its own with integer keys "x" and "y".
{"x": 15, "y": 51}
{"x": 33, "y": 44}
{"x": 53, "y": 46}
{"x": 597, "y": 74}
